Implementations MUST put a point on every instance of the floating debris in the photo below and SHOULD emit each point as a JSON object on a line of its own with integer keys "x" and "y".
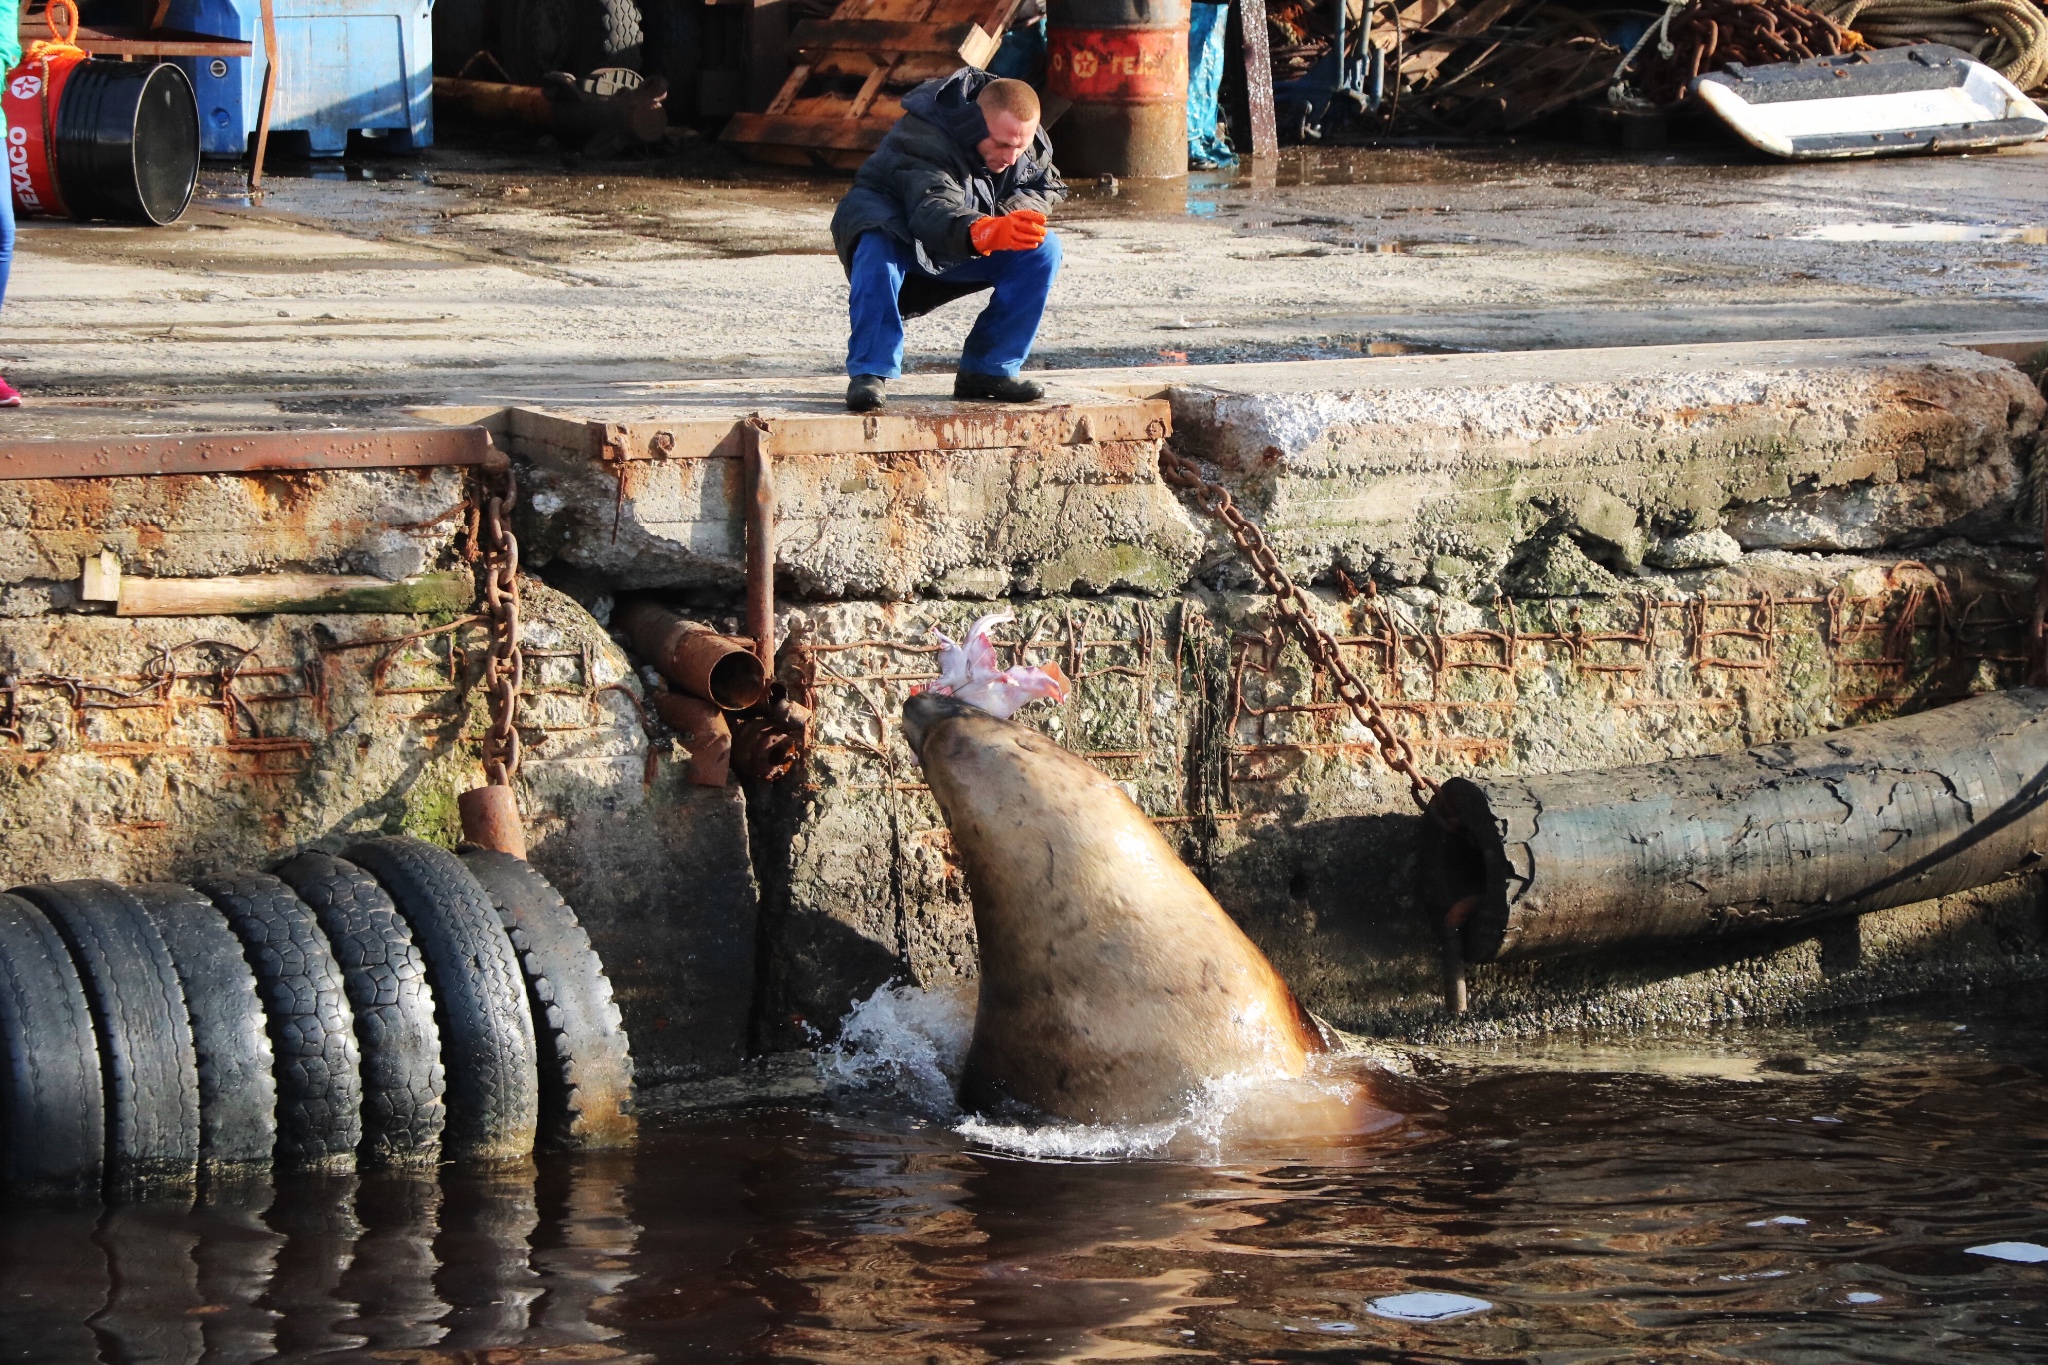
{"x": 1426, "y": 1307}
{"x": 2027, "y": 1253}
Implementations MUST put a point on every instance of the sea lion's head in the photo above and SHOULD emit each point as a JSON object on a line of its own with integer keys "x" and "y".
{"x": 923, "y": 712}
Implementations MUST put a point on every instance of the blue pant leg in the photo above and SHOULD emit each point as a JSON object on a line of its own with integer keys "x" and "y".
{"x": 1002, "y": 335}
{"x": 6, "y": 239}
{"x": 876, "y": 345}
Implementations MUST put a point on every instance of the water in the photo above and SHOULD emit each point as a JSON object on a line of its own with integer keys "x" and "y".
{"x": 1865, "y": 1190}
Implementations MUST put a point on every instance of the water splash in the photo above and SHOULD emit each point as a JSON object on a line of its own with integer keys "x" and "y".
{"x": 907, "y": 1045}
{"x": 904, "y": 1041}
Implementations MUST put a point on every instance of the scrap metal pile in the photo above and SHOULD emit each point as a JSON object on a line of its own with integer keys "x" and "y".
{"x": 1477, "y": 67}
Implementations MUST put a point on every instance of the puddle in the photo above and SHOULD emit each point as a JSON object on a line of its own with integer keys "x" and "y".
{"x": 1923, "y": 232}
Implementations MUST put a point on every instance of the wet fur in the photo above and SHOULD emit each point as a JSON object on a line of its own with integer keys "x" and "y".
{"x": 1112, "y": 983}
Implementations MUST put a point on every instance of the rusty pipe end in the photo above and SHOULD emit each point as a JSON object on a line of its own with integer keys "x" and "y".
{"x": 705, "y": 734}
{"x": 694, "y": 657}
{"x": 490, "y": 819}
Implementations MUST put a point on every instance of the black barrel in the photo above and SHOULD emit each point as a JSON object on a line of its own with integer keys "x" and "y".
{"x": 128, "y": 142}
{"x": 1840, "y": 824}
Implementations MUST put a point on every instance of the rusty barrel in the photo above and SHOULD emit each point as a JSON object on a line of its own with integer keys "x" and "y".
{"x": 1124, "y": 64}
{"x": 1862, "y": 819}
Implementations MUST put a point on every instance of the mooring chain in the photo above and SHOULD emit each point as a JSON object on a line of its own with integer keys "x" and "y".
{"x": 1294, "y": 610}
{"x": 504, "y": 667}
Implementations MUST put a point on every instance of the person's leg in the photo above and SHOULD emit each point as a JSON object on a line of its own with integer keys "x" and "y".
{"x": 876, "y": 345}
{"x": 1002, "y": 335}
{"x": 8, "y": 397}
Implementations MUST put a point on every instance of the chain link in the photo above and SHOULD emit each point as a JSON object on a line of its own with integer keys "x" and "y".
{"x": 504, "y": 666}
{"x": 1295, "y": 612}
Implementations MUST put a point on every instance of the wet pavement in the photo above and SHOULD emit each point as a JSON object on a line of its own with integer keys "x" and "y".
{"x": 1863, "y": 1189}
{"x": 471, "y": 269}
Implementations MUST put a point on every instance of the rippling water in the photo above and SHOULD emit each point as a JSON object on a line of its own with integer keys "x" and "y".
{"x": 1789, "y": 1196}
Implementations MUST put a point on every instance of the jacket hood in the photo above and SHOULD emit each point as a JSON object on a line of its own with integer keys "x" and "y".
{"x": 948, "y": 104}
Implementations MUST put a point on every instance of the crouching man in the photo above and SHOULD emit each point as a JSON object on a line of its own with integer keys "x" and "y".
{"x": 953, "y": 202}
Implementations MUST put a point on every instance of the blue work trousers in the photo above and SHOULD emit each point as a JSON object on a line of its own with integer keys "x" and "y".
{"x": 1002, "y": 335}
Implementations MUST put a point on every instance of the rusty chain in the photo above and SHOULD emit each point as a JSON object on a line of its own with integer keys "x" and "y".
{"x": 493, "y": 542}
{"x": 1294, "y": 611}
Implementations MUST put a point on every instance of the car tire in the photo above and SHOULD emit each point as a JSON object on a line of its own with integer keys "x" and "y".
{"x": 586, "y": 1062}
{"x": 486, "y": 1028}
{"x": 385, "y": 975}
{"x": 230, "y": 1036}
{"x": 312, "y": 1029}
{"x": 149, "y": 1070}
{"x": 53, "y": 1121}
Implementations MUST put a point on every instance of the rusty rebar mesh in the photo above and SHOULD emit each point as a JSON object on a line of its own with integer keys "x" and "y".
{"x": 1463, "y": 698}
{"x": 265, "y": 716}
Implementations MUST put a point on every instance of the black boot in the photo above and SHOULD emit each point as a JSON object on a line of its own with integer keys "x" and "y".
{"x": 996, "y": 387}
{"x": 867, "y": 392}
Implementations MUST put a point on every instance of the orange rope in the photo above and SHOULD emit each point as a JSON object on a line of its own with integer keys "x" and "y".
{"x": 63, "y": 41}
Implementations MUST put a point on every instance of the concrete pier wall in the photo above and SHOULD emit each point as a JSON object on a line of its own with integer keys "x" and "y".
{"x": 1539, "y": 562}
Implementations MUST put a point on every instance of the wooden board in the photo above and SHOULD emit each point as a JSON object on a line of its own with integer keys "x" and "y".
{"x": 853, "y": 69}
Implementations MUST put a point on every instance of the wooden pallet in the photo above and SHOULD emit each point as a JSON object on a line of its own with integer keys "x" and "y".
{"x": 852, "y": 70}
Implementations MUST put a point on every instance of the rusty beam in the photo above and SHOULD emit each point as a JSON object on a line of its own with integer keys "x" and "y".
{"x": 759, "y": 472}
{"x": 947, "y": 428}
{"x": 246, "y": 452}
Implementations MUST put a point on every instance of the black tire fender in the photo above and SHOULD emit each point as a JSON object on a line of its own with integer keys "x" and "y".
{"x": 149, "y": 1069}
{"x": 230, "y": 1033}
{"x": 53, "y": 1121}
{"x": 385, "y": 975}
{"x": 486, "y": 1028}
{"x": 312, "y": 1029}
{"x": 586, "y": 1062}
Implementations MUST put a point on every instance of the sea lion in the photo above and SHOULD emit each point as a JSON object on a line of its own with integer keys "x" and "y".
{"x": 1113, "y": 986}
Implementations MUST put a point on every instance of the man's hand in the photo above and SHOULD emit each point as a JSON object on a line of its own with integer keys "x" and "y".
{"x": 1022, "y": 230}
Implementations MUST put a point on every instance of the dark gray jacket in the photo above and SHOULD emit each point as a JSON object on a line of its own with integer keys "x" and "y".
{"x": 926, "y": 185}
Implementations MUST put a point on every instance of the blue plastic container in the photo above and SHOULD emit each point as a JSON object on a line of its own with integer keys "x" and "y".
{"x": 365, "y": 65}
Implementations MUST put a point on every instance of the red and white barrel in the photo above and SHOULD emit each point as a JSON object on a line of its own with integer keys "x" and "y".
{"x": 34, "y": 91}
{"x": 1124, "y": 64}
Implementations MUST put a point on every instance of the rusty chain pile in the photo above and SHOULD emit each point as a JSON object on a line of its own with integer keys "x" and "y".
{"x": 1294, "y": 611}
{"x": 492, "y": 542}
{"x": 1707, "y": 35}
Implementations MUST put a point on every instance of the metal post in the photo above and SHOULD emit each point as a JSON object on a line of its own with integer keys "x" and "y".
{"x": 760, "y": 505}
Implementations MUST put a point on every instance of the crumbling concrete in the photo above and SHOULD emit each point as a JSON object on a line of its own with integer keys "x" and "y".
{"x": 1538, "y": 562}
{"x": 141, "y": 750}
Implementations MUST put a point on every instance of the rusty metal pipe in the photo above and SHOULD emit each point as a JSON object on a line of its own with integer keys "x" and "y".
{"x": 1840, "y": 824}
{"x": 705, "y": 733}
{"x": 694, "y": 657}
{"x": 490, "y": 819}
{"x": 760, "y": 503}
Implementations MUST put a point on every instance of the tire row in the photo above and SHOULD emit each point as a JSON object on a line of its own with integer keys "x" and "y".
{"x": 401, "y": 1004}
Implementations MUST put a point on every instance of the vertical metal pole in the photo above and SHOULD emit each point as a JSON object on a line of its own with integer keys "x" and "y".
{"x": 1258, "y": 77}
{"x": 760, "y": 509}
{"x": 1338, "y": 84}
{"x": 269, "y": 103}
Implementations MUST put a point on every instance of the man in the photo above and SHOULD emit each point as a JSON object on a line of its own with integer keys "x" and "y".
{"x": 952, "y": 202}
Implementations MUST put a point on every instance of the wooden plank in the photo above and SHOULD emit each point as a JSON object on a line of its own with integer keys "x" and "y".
{"x": 1480, "y": 17}
{"x": 794, "y": 130}
{"x": 303, "y": 593}
{"x": 880, "y": 36}
{"x": 1258, "y": 76}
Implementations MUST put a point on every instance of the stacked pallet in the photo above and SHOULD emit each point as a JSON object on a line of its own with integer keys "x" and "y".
{"x": 852, "y": 70}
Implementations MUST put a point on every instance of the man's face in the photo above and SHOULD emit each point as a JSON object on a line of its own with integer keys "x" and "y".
{"x": 1009, "y": 137}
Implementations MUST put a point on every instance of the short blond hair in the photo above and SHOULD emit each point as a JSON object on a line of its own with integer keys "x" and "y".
{"x": 1014, "y": 98}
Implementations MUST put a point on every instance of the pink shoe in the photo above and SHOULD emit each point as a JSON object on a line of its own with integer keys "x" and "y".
{"x": 10, "y": 397}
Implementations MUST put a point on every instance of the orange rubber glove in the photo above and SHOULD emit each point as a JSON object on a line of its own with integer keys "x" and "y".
{"x": 1022, "y": 230}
